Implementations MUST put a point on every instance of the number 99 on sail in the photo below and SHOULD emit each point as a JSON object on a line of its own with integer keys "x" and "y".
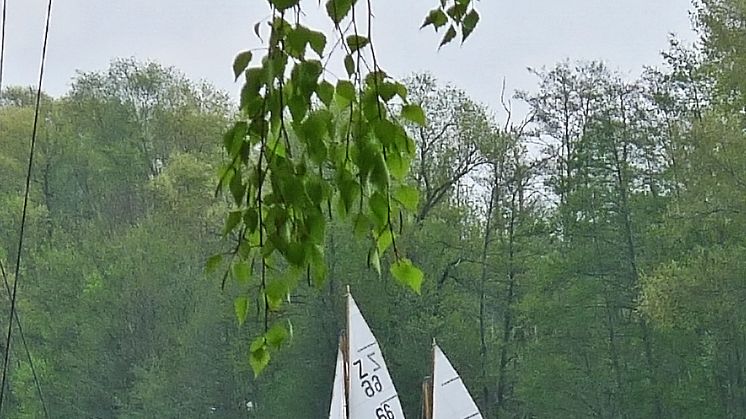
{"x": 385, "y": 412}
{"x": 372, "y": 386}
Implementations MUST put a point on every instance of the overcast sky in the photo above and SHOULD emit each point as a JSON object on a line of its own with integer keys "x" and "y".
{"x": 201, "y": 37}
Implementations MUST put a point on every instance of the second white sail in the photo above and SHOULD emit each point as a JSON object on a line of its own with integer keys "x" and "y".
{"x": 450, "y": 398}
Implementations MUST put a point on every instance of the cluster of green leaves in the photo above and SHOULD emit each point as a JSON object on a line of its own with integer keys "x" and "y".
{"x": 305, "y": 149}
{"x": 458, "y": 15}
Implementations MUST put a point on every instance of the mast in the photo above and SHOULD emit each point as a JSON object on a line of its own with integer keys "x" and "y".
{"x": 427, "y": 388}
{"x": 346, "y": 351}
{"x": 340, "y": 406}
{"x": 427, "y": 400}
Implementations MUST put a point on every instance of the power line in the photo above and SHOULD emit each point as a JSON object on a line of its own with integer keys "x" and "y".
{"x": 2, "y": 268}
{"x": 2, "y": 44}
{"x": 25, "y": 204}
{"x": 25, "y": 345}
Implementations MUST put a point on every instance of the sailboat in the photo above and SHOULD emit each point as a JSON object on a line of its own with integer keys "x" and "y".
{"x": 363, "y": 388}
{"x": 444, "y": 394}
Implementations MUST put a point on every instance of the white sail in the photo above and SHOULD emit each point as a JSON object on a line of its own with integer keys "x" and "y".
{"x": 451, "y": 399}
{"x": 338, "y": 408}
{"x": 372, "y": 394}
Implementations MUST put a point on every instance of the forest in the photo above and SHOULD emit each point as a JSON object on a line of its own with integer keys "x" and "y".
{"x": 583, "y": 261}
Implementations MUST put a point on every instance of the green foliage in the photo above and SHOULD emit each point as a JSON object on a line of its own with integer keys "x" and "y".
{"x": 303, "y": 144}
{"x": 240, "y": 63}
{"x": 241, "y": 306}
{"x": 460, "y": 13}
{"x": 405, "y": 272}
{"x": 414, "y": 114}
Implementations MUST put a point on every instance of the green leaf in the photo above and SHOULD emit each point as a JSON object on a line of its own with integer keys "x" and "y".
{"x": 277, "y": 335}
{"x": 298, "y": 107}
{"x": 240, "y": 63}
{"x": 456, "y": 12}
{"x": 398, "y": 165}
{"x": 385, "y": 131}
{"x": 296, "y": 254}
{"x": 234, "y": 137}
{"x": 413, "y": 113}
{"x": 373, "y": 109}
{"x": 401, "y": 90}
{"x": 408, "y": 196}
{"x": 317, "y": 40}
{"x": 316, "y": 225}
{"x": 325, "y": 92}
{"x": 251, "y": 219}
{"x": 310, "y": 70}
{"x": 258, "y": 343}
{"x": 349, "y": 65}
{"x": 251, "y": 99}
{"x": 276, "y": 292}
{"x": 380, "y": 208}
{"x": 313, "y": 131}
{"x": 374, "y": 260}
{"x": 470, "y": 22}
{"x": 242, "y": 272}
{"x": 345, "y": 91}
{"x": 237, "y": 187}
{"x": 407, "y": 274}
{"x": 380, "y": 173}
{"x": 386, "y": 90}
{"x": 375, "y": 78}
{"x": 437, "y": 18}
{"x": 349, "y": 191}
{"x": 284, "y": 4}
{"x": 257, "y": 25}
{"x": 384, "y": 240}
{"x": 296, "y": 41}
{"x": 338, "y": 9}
{"x": 234, "y": 218}
{"x": 212, "y": 263}
{"x": 355, "y": 42}
{"x": 448, "y": 37}
{"x": 241, "y": 307}
{"x": 315, "y": 186}
{"x": 259, "y": 356}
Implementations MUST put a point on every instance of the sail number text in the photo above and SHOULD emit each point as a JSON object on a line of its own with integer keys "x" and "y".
{"x": 385, "y": 412}
{"x": 371, "y": 383}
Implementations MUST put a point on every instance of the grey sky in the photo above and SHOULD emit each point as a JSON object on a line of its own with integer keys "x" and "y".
{"x": 201, "y": 38}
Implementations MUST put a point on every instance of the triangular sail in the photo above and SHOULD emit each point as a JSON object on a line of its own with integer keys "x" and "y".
{"x": 338, "y": 409}
{"x": 451, "y": 399}
{"x": 372, "y": 394}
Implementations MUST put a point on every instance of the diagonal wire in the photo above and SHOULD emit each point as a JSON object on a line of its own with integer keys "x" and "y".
{"x": 25, "y": 345}
{"x": 14, "y": 294}
{"x": 2, "y": 268}
{"x": 2, "y": 44}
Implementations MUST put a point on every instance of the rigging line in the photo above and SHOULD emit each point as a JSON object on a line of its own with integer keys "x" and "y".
{"x": 2, "y": 44}
{"x": 25, "y": 204}
{"x": 25, "y": 345}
